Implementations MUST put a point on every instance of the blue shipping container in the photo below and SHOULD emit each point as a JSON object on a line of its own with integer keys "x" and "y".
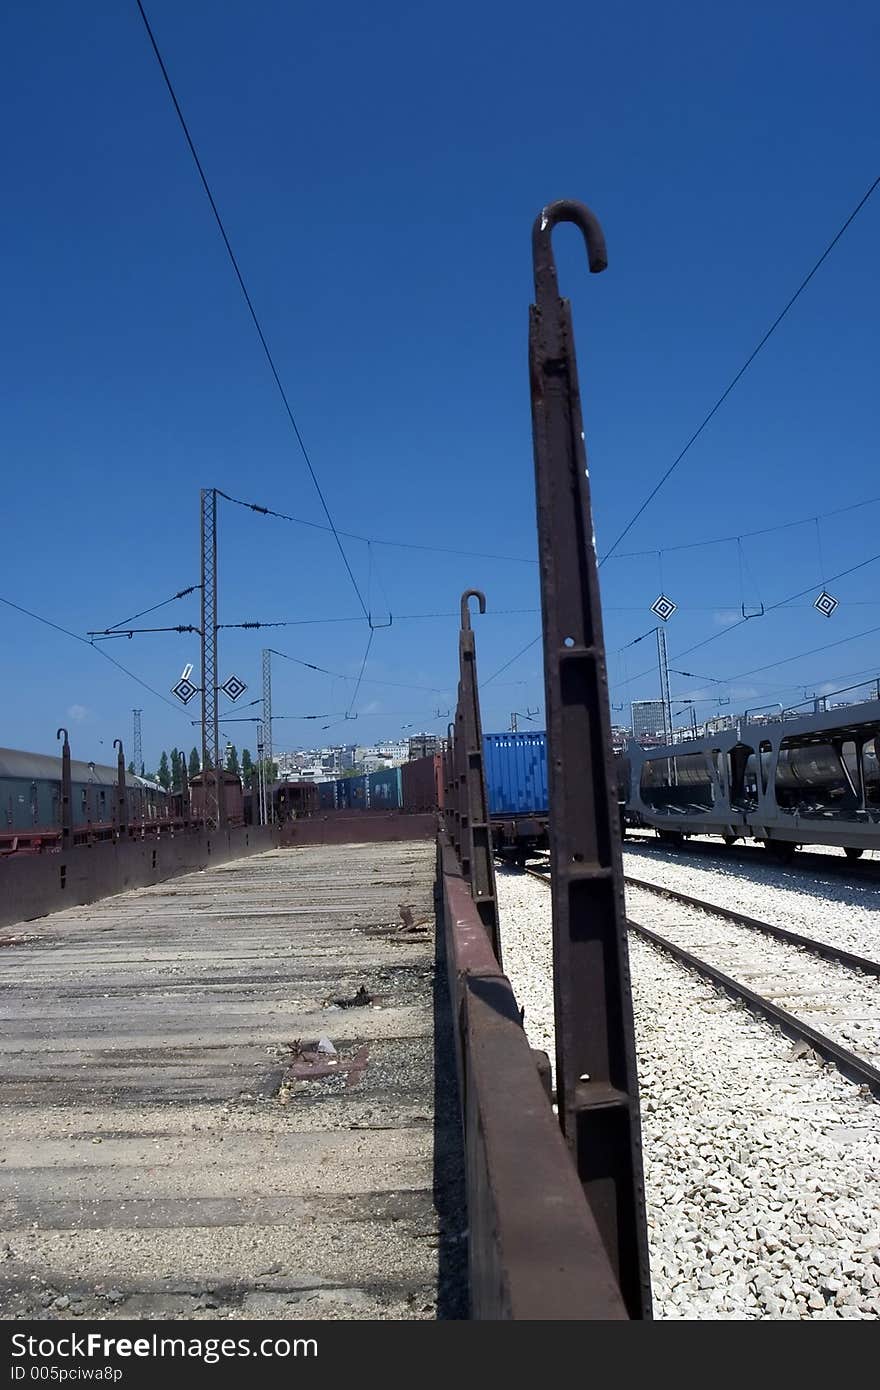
{"x": 326, "y": 795}
{"x": 358, "y": 792}
{"x": 516, "y": 773}
{"x": 384, "y": 789}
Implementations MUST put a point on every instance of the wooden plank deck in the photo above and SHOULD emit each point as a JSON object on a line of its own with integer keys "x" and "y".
{"x": 172, "y": 1146}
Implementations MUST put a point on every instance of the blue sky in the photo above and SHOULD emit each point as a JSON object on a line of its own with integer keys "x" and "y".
{"x": 378, "y": 169}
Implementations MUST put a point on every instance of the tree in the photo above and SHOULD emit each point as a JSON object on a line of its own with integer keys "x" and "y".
{"x": 164, "y": 774}
{"x": 247, "y": 764}
{"x": 176, "y": 779}
{"x": 131, "y": 768}
{"x": 232, "y": 760}
{"x": 195, "y": 765}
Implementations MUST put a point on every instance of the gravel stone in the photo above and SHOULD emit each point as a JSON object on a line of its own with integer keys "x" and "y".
{"x": 760, "y": 1169}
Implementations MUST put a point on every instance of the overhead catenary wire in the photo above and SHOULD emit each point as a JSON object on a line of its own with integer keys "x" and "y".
{"x": 369, "y": 680}
{"x": 253, "y": 313}
{"x": 771, "y": 608}
{"x": 92, "y": 647}
{"x": 360, "y": 673}
{"x": 181, "y": 593}
{"x": 741, "y": 373}
{"x": 746, "y": 535}
{"x": 375, "y": 540}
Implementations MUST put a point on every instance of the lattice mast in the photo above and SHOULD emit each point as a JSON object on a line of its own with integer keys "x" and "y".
{"x": 137, "y": 741}
{"x": 267, "y": 731}
{"x": 210, "y": 711}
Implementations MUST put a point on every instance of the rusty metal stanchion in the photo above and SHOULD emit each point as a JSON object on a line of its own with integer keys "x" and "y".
{"x": 474, "y": 830}
{"x": 450, "y": 789}
{"x": 121, "y": 798}
{"x": 596, "y": 1079}
{"x": 66, "y": 793}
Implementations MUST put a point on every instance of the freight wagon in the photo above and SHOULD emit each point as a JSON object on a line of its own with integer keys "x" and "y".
{"x": 385, "y": 791}
{"x": 232, "y": 793}
{"x": 30, "y": 798}
{"x": 515, "y": 767}
{"x": 415, "y": 787}
{"x": 293, "y": 800}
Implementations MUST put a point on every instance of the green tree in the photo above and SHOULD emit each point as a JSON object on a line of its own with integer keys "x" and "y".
{"x": 232, "y": 760}
{"x": 164, "y": 774}
{"x": 247, "y": 764}
{"x": 175, "y": 770}
{"x": 195, "y": 765}
{"x": 131, "y": 768}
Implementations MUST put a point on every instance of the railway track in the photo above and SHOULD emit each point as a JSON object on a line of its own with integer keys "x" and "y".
{"x": 837, "y": 866}
{"x": 737, "y": 952}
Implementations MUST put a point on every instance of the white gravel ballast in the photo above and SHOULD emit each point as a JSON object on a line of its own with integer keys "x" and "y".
{"x": 828, "y": 908}
{"x": 762, "y": 1165}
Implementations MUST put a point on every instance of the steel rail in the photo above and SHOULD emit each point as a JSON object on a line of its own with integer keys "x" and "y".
{"x": 808, "y": 943}
{"x": 840, "y": 867}
{"x": 846, "y": 1062}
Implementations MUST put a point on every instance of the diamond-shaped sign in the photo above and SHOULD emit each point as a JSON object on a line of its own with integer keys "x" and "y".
{"x": 184, "y": 690}
{"x": 826, "y": 603}
{"x": 233, "y": 687}
{"x": 663, "y": 607}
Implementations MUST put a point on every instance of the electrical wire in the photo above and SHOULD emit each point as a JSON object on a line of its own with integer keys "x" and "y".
{"x": 92, "y": 647}
{"x": 741, "y": 373}
{"x": 181, "y": 593}
{"x": 746, "y": 535}
{"x": 373, "y": 540}
{"x": 399, "y": 618}
{"x": 520, "y": 653}
{"x": 338, "y": 675}
{"x": 771, "y": 608}
{"x": 360, "y": 674}
{"x": 252, "y": 310}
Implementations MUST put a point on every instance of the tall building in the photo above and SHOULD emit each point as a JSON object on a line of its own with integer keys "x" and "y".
{"x": 423, "y": 745}
{"x": 647, "y": 719}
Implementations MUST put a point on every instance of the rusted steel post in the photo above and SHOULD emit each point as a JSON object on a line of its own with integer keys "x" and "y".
{"x": 450, "y": 790}
{"x": 121, "y": 799}
{"x": 475, "y": 847}
{"x": 596, "y": 1080}
{"x": 184, "y": 790}
{"x": 66, "y": 793}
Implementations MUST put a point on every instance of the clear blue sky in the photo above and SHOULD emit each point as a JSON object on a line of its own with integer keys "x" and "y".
{"x": 378, "y": 168}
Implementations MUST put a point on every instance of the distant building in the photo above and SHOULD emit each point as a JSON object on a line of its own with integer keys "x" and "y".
{"x": 423, "y": 746}
{"x": 619, "y": 736}
{"x": 647, "y": 720}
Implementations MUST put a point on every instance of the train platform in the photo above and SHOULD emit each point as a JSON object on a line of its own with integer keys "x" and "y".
{"x": 233, "y": 1095}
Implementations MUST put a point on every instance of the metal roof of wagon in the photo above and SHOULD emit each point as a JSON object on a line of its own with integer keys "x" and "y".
{"x": 38, "y": 767}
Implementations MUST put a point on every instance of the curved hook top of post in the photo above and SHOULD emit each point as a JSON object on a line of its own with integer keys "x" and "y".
{"x": 117, "y": 743}
{"x": 465, "y": 606}
{"x": 64, "y": 732}
{"x": 565, "y": 210}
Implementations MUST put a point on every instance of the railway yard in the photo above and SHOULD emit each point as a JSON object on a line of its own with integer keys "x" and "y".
{"x": 527, "y": 1028}
{"x": 762, "y": 1160}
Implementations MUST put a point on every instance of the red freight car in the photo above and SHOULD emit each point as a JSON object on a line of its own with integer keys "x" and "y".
{"x": 233, "y": 798}
{"x": 422, "y": 783}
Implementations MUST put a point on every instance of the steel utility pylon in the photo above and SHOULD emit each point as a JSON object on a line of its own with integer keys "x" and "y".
{"x": 137, "y": 742}
{"x": 210, "y": 713}
{"x": 267, "y": 726}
